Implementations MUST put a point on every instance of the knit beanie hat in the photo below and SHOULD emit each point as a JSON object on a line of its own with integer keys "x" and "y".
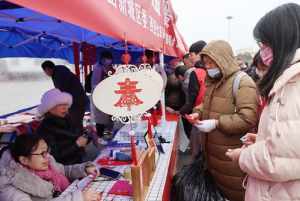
{"x": 52, "y": 98}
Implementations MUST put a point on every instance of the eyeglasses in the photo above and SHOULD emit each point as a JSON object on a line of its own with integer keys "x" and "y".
{"x": 44, "y": 154}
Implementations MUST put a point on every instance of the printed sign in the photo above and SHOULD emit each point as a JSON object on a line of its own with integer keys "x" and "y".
{"x": 128, "y": 94}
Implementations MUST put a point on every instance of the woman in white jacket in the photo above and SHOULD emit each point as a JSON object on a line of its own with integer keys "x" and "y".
{"x": 272, "y": 159}
{"x": 29, "y": 173}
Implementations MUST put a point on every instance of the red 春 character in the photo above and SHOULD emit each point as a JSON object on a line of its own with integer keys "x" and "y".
{"x": 128, "y": 97}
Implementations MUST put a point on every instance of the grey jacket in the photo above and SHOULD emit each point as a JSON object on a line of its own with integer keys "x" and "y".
{"x": 19, "y": 184}
{"x": 99, "y": 116}
{"x": 185, "y": 84}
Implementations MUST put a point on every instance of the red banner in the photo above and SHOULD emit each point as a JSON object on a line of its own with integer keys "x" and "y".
{"x": 147, "y": 23}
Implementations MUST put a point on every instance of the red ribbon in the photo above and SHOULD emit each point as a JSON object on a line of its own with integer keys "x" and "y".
{"x": 133, "y": 150}
{"x": 76, "y": 58}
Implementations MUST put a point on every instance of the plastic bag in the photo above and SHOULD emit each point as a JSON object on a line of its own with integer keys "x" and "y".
{"x": 195, "y": 183}
{"x": 183, "y": 139}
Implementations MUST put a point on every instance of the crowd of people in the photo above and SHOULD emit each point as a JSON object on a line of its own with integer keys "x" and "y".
{"x": 247, "y": 122}
{"x": 243, "y": 120}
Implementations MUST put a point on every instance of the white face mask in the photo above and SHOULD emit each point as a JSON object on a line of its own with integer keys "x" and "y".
{"x": 260, "y": 73}
{"x": 214, "y": 73}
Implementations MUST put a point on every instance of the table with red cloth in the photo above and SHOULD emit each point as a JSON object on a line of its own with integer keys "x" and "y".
{"x": 160, "y": 185}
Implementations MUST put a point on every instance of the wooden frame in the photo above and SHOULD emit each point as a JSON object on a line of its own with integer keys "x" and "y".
{"x": 142, "y": 174}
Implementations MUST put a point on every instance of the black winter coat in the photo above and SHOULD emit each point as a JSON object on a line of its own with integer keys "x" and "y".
{"x": 193, "y": 91}
{"x": 61, "y": 138}
{"x": 66, "y": 81}
{"x": 175, "y": 97}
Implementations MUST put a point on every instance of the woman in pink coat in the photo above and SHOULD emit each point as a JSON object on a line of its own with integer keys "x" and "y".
{"x": 272, "y": 159}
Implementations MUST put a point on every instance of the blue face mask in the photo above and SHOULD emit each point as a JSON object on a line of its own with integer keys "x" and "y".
{"x": 214, "y": 73}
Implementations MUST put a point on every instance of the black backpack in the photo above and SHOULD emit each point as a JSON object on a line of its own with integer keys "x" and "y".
{"x": 195, "y": 183}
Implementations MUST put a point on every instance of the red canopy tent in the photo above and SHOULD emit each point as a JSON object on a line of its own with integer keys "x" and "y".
{"x": 149, "y": 24}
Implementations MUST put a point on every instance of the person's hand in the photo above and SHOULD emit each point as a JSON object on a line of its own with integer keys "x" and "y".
{"x": 192, "y": 118}
{"x": 171, "y": 110}
{"x": 81, "y": 141}
{"x": 91, "y": 169}
{"x": 91, "y": 195}
{"x": 234, "y": 154}
{"x": 206, "y": 126}
{"x": 249, "y": 139}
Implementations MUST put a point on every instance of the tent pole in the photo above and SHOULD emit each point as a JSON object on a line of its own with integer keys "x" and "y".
{"x": 164, "y": 76}
{"x": 81, "y": 64}
{"x": 76, "y": 58}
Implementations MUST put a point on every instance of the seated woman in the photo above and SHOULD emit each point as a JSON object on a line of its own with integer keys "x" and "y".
{"x": 66, "y": 143}
{"x": 28, "y": 172}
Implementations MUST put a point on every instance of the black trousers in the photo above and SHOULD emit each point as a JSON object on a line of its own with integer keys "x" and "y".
{"x": 76, "y": 117}
{"x": 100, "y": 129}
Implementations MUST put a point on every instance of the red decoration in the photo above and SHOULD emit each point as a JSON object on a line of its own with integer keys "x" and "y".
{"x": 34, "y": 125}
{"x": 149, "y": 128}
{"x": 110, "y": 16}
{"x": 22, "y": 129}
{"x": 128, "y": 96}
{"x": 121, "y": 187}
{"x": 76, "y": 58}
{"x": 149, "y": 131}
{"x": 153, "y": 59}
{"x": 106, "y": 161}
{"x": 89, "y": 57}
{"x": 144, "y": 59}
{"x": 133, "y": 149}
{"x": 126, "y": 58}
{"x": 154, "y": 117}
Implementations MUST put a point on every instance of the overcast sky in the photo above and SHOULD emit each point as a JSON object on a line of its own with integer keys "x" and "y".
{"x": 206, "y": 19}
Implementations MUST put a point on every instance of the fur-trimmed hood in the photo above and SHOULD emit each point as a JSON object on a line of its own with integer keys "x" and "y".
{"x": 221, "y": 52}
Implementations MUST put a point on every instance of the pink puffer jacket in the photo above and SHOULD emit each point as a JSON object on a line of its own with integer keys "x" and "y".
{"x": 273, "y": 162}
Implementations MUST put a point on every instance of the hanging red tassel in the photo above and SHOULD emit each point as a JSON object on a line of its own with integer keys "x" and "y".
{"x": 144, "y": 57}
{"x": 126, "y": 58}
{"x": 154, "y": 117}
{"x": 93, "y": 54}
{"x": 154, "y": 58}
{"x": 149, "y": 127}
{"x": 76, "y": 58}
{"x": 133, "y": 148}
{"x": 149, "y": 131}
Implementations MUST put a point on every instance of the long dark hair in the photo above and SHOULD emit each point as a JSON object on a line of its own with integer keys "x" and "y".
{"x": 256, "y": 59}
{"x": 24, "y": 145}
{"x": 280, "y": 30}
